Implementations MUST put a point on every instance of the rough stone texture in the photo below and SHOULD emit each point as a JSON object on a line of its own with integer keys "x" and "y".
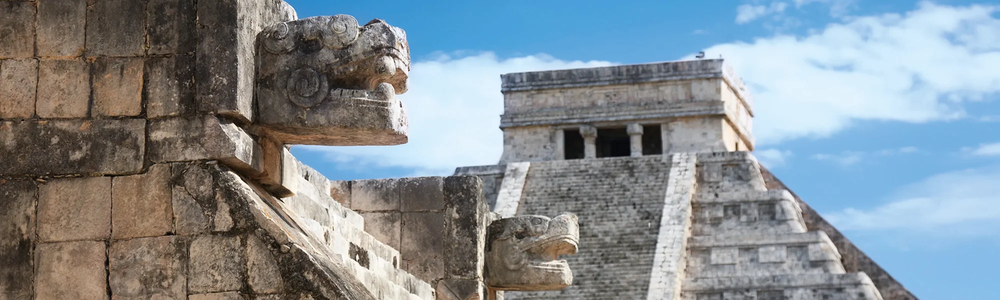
{"x": 117, "y": 87}
{"x": 217, "y": 296}
{"x": 205, "y": 137}
{"x": 511, "y": 188}
{"x": 522, "y": 252}
{"x": 853, "y": 259}
{"x": 226, "y": 34}
{"x": 71, "y": 270}
{"x": 422, "y": 233}
{"x": 141, "y": 204}
{"x": 63, "y": 88}
{"x": 375, "y": 195}
{"x": 170, "y": 26}
{"x": 60, "y": 147}
{"x": 307, "y": 94}
{"x": 460, "y": 289}
{"x": 263, "y": 272}
{"x": 148, "y": 268}
{"x": 18, "y": 79}
{"x": 116, "y": 28}
{"x": 61, "y": 28}
{"x": 74, "y": 209}
{"x": 168, "y": 86}
{"x": 17, "y": 30}
{"x": 384, "y": 226}
{"x": 217, "y": 264}
{"x": 466, "y": 218}
{"x": 17, "y": 235}
{"x": 670, "y": 256}
{"x": 421, "y": 194}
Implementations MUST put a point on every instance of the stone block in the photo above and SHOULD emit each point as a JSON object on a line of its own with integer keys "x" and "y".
{"x": 71, "y": 270}
{"x": 384, "y": 226}
{"x": 263, "y": 273}
{"x": 772, "y": 254}
{"x": 170, "y": 26}
{"x": 59, "y": 147}
{"x": 61, "y": 28}
{"x": 169, "y": 86}
{"x": 340, "y": 190}
{"x": 460, "y": 289}
{"x": 17, "y": 233}
{"x": 216, "y": 264}
{"x": 74, "y": 209}
{"x": 148, "y": 268}
{"x": 217, "y": 296}
{"x": 18, "y": 79}
{"x": 423, "y": 242}
{"x": 274, "y": 157}
{"x": 724, "y": 255}
{"x": 203, "y": 138}
{"x": 196, "y": 207}
{"x": 421, "y": 194}
{"x": 465, "y": 232}
{"x": 117, "y": 86}
{"x": 63, "y": 89}
{"x": 141, "y": 204}
{"x": 375, "y": 194}
{"x": 116, "y": 28}
{"x": 17, "y": 30}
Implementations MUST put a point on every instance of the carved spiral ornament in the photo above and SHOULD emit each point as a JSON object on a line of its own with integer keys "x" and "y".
{"x": 307, "y": 87}
{"x": 279, "y": 39}
{"x": 343, "y": 30}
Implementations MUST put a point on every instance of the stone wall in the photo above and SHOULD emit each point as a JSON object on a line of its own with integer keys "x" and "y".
{"x": 437, "y": 223}
{"x": 132, "y": 167}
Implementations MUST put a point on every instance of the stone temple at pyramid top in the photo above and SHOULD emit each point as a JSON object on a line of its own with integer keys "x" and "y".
{"x": 626, "y": 110}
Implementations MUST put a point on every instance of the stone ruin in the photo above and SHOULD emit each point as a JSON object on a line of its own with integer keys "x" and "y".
{"x": 144, "y": 154}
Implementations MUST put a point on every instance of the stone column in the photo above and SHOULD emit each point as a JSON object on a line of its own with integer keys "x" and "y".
{"x": 635, "y": 138}
{"x": 589, "y": 134}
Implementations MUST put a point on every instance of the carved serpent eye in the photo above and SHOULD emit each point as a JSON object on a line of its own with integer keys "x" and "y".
{"x": 343, "y": 30}
{"x": 279, "y": 39}
{"x": 307, "y": 87}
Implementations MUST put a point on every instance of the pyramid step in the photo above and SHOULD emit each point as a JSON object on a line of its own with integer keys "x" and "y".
{"x": 791, "y": 287}
{"x": 744, "y": 255}
{"x": 774, "y": 211}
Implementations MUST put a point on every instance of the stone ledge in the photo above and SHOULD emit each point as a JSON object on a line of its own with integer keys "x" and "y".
{"x": 622, "y": 113}
{"x": 733, "y": 240}
{"x": 777, "y": 281}
{"x": 67, "y": 147}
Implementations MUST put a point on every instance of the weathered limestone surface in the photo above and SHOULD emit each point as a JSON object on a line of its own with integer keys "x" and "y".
{"x": 17, "y": 235}
{"x": 327, "y": 80}
{"x": 522, "y": 252}
{"x": 116, "y": 28}
{"x": 149, "y": 268}
{"x": 117, "y": 84}
{"x": 205, "y": 137}
{"x": 141, "y": 204}
{"x": 226, "y": 32}
{"x": 63, "y": 88}
{"x": 18, "y": 79}
{"x": 74, "y": 209}
{"x": 61, "y": 147}
{"x": 71, "y": 270}
{"x": 16, "y": 30}
{"x": 61, "y": 28}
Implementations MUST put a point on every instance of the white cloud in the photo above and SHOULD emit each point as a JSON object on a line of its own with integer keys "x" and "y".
{"x": 849, "y": 158}
{"x": 772, "y": 158}
{"x": 987, "y": 149}
{"x": 955, "y": 203}
{"x": 454, "y": 107}
{"x": 749, "y": 12}
{"x": 838, "y": 8}
{"x": 916, "y": 67}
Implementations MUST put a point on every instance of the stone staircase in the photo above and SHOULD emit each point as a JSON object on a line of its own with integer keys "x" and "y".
{"x": 341, "y": 231}
{"x": 750, "y": 243}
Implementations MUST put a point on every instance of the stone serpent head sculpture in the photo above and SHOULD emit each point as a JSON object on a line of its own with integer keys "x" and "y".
{"x": 328, "y": 81}
{"x": 522, "y": 252}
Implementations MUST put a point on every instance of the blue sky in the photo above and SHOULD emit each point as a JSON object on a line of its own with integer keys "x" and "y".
{"x": 882, "y": 115}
